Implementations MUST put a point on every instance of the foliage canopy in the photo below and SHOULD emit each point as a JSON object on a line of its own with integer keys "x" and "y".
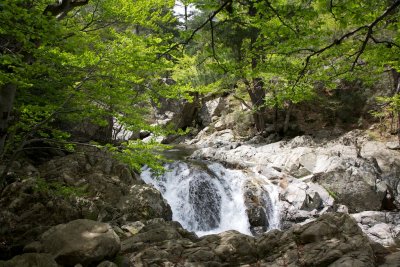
{"x": 106, "y": 61}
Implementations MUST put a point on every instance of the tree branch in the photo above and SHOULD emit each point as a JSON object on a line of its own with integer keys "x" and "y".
{"x": 213, "y": 47}
{"x": 189, "y": 39}
{"x": 61, "y": 9}
{"x": 280, "y": 18}
{"x": 242, "y": 101}
{"x": 388, "y": 44}
{"x": 368, "y": 36}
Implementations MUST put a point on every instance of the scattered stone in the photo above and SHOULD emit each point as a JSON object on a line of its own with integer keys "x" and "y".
{"x": 133, "y": 228}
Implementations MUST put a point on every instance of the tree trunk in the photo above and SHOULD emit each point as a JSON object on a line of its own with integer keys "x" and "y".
{"x": 186, "y": 17}
{"x": 396, "y": 81}
{"x": 396, "y": 87}
{"x": 287, "y": 118}
{"x": 257, "y": 95}
{"x": 7, "y": 95}
{"x": 256, "y": 89}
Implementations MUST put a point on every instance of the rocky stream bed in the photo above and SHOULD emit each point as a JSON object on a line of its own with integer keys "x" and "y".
{"x": 308, "y": 201}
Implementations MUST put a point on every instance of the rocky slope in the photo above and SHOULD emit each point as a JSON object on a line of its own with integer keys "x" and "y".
{"x": 88, "y": 184}
{"x": 316, "y": 175}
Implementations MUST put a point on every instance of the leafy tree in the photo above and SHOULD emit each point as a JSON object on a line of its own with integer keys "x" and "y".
{"x": 79, "y": 60}
{"x": 280, "y": 52}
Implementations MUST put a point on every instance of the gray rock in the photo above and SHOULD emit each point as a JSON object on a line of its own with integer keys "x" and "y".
{"x": 144, "y": 202}
{"x": 256, "y": 207}
{"x": 302, "y": 201}
{"x": 393, "y": 145}
{"x": 392, "y": 260}
{"x": 354, "y": 184}
{"x": 107, "y": 264}
{"x": 334, "y": 239}
{"x": 343, "y": 209}
{"x": 380, "y": 227}
{"x": 211, "y": 109}
{"x": 30, "y": 260}
{"x": 176, "y": 113}
{"x": 155, "y": 231}
{"x": 80, "y": 241}
{"x": 336, "y": 233}
{"x": 133, "y": 227}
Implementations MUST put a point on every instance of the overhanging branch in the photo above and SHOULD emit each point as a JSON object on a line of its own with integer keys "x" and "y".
{"x": 336, "y": 42}
{"x": 190, "y": 38}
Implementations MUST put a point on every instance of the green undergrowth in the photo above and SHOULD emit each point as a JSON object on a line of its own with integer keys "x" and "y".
{"x": 56, "y": 188}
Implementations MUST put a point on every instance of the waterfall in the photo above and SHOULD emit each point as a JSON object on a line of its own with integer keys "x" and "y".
{"x": 272, "y": 208}
{"x": 207, "y": 198}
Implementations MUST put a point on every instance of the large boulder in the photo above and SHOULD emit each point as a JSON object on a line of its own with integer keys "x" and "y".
{"x": 225, "y": 138}
{"x": 257, "y": 202}
{"x": 303, "y": 201}
{"x": 30, "y": 260}
{"x": 388, "y": 161}
{"x": 260, "y": 199}
{"x": 355, "y": 183}
{"x": 80, "y": 242}
{"x": 177, "y": 114}
{"x": 381, "y": 227}
{"x": 334, "y": 239}
{"x": 143, "y": 202}
{"x": 210, "y": 109}
{"x": 391, "y": 260}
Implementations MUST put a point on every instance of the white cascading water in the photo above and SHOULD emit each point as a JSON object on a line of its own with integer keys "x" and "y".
{"x": 207, "y": 198}
{"x": 272, "y": 209}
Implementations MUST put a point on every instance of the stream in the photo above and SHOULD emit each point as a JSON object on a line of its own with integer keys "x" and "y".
{"x": 207, "y": 198}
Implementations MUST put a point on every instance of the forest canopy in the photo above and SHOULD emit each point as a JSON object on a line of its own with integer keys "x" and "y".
{"x": 101, "y": 62}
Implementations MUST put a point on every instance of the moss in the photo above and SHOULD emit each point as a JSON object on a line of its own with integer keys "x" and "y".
{"x": 332, "y": 193}
{"x": 56, "y": 188}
